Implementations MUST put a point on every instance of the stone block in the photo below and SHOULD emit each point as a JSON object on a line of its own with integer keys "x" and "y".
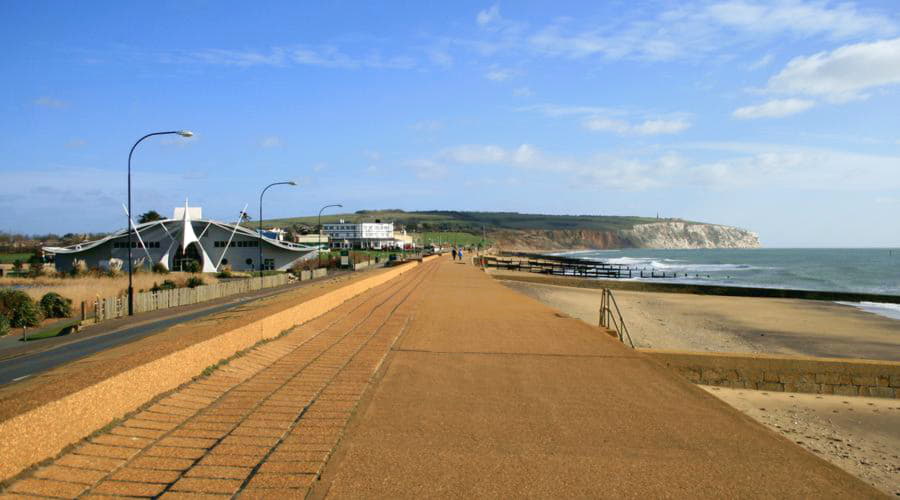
{"x": 895, "y": 380}
{"x": 884, "y": 381}
{"x": 826, "y": 389}
{"x": 808, "y": 387}
{"x": 869, "y": 380}
{"x": 787, "y": 378}
{"x": 770, "y": 376}
{"x": 710, "y": 375}
{"x": 732, "y": 376}
{"x": 846, "y": 390}
{"x": 771, "y": 386}
{"x": 881, "y": 392}
{"x": 692, "y": 375}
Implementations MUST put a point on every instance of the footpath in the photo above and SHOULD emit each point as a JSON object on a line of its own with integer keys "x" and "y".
{"x": 492, "y": 394}
{"x": 438, "y": 383}
{"x": 260, "y": 426}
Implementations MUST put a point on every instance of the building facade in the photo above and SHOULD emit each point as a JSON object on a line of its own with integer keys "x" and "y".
{"x": 364, "y": 235}
{"x": 185, "y": 238}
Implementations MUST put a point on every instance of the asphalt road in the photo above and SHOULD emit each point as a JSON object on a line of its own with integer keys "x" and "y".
{"x": 70, "y": 348}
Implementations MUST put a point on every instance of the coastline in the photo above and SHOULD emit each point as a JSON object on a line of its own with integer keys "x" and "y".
{"x": 705, "y": 323}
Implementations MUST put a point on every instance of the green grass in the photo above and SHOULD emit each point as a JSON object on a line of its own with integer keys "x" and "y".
{"x": 473, "y": 222}
{"x": 9, "y": 258}
{"x": 451, "y": 238}
{"x": 54, "y": 330}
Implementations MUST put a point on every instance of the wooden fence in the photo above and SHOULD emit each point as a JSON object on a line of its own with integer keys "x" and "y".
{"x": 116, "y": 307}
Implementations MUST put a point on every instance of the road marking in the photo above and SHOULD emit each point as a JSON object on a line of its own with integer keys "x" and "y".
{"x": 21, "y": 378}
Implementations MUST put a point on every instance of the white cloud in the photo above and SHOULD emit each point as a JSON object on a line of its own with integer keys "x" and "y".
{"x": 842, "y": 74}
{"x": 51, "y": 103}
{"x": 523, "y": 92}
{"x": 428, "y": 169}
{"x": 762, "y": 62}
{"x": 554, "y": 110}
{"x": 808, "y": 18}
{"x": 326, "y": 56}
{"x": 372, "y": 155}
{"x": 617, "y": 121}
{"x": 76, "y": 143}
{"x": 776, "y": 108}
{"x": 488, "y": 16}
{"x": 647, "y": 127}
{"x": 500, "y": 74}
{"x": 318, "y": 167}
{"x": 272, "y": 141}
{"x": 690, "y": 32}
{"x": 741, "y": 166}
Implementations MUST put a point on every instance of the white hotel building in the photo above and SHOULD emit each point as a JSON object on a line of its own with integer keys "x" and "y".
{"x": 366, "y": 235}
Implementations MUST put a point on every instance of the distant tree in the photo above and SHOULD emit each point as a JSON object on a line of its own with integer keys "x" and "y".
{"x": 35, "y": 265}
{"x": 149, "y": 216}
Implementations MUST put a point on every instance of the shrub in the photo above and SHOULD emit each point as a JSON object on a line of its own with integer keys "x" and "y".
{"x": 166, "y": 285}
{"x": 115, "y": 266}
{"x": 19, "y": 308}
{"x": 305, "y": 265}
{"x": 160, "y": 268}
{"x": 4, "y": 326}
{"x": 194, "y": 281}
{"x": 35, "y": 268}
{"x": 79, "y": 268}
{"x": 191, "y": 267}
{"x": 55, "y": 305}
{"x": 225, "y": 272}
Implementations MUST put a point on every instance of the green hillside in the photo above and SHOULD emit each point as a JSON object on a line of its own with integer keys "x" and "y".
{"x": 473, "y": 222}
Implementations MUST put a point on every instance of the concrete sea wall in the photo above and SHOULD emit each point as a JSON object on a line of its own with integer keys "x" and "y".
{"x": 42, "y": 433}
{"x": 846, "y": 377}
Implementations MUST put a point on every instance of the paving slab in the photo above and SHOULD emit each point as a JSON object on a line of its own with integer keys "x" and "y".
{"x": 492, "y": 394}
{"x": 250, "y": 437}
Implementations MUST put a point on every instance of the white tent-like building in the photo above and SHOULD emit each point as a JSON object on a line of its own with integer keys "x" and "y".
{"x": 184, "y": 238}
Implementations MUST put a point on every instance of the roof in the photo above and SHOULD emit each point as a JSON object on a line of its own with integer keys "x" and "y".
{"x": 167, "y": 223}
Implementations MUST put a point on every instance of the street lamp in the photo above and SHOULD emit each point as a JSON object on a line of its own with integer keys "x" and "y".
{"x": 289, "y": 183}
{"x": 182, "y": 133}
{"x": 320, "y": 229}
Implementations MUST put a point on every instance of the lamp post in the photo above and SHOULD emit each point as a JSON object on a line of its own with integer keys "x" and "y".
{"x": 182, "y": 133}
{"x": 289, "y": 183}
{"x": 320, "y": 229}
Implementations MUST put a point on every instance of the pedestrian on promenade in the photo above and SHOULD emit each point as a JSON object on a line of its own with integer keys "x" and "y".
{"x": 460, "y": 256}
{"x": 454, "y": 253}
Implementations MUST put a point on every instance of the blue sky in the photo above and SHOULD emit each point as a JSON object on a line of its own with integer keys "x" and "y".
{"x": 780, "y": 117}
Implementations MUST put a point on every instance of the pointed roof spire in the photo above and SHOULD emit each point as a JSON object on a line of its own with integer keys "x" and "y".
{"x": 188, "y": 235}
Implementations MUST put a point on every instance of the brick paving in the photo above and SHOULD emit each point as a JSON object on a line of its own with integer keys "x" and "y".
{"x": 261, "y": 426}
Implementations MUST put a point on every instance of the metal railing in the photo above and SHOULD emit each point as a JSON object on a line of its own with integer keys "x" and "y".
{"x": 611, "y": 317}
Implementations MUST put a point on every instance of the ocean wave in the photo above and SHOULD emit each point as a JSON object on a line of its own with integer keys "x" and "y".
{"x": 679, "y": 265}
{"x": 885, "y": 309}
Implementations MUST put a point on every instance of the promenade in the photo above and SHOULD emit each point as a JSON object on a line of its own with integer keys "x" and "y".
{"x": 492, "y": 394}
{"x": 439, "y": 383}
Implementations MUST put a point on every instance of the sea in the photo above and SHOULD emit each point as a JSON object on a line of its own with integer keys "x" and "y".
{"x": 860, "y": 270}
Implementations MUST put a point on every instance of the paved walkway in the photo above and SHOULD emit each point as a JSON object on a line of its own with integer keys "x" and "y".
{"x": 492, "y": 394}
{"x": 485, "y": 393}
{"x": 262, "y": 426}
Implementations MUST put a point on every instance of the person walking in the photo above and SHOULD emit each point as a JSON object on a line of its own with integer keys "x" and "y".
{"x": 460, "y": 256}
{"x": 454, "y": 253}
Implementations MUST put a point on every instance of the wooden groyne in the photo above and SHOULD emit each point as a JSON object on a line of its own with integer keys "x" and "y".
{"x": 558, "y": 265}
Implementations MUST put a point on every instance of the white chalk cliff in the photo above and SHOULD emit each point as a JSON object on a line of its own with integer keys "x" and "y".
{"x": 687, "y": 235}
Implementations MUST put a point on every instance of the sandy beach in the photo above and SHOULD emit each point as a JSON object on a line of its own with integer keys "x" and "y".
{"x": 860, "y": 435}
{"x": 734, "y": 324}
